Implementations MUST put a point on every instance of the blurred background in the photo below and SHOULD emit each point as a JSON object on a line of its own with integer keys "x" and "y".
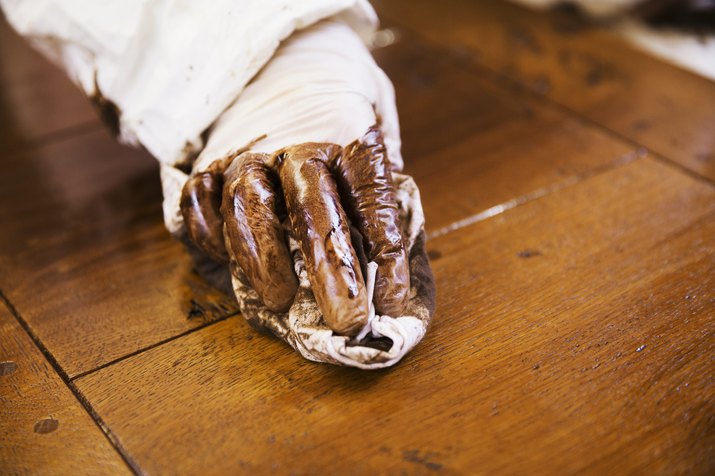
{"x": 679, "y": 31}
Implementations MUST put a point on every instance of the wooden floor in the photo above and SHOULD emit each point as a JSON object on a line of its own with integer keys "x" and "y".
{"x": 569, "y": 188}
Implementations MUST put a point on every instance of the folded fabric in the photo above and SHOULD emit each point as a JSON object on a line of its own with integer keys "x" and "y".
{"x": 163, "y": 71}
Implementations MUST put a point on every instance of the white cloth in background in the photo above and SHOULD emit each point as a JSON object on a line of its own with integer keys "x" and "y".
{"x": 689, "y": 50}
{"x": 598, "y": 8}
{"x": 322, "y": 85}
{"x": 304, "y": 93}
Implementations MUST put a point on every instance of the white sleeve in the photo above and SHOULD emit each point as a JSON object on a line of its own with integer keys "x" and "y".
{"x": 321, "y": 85}
{"x": 169, "y": 68}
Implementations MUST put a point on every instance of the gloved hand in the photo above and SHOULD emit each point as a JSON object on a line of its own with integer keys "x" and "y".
{"x": 307, "y": 148}
{"x": 317, "y": 128}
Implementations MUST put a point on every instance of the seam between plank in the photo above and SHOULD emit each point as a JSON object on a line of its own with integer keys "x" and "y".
{"x": 538, "y": 193}
{"x": 152, "y": 346}
{"x": 53, "y": 137}
{"x": 109, "y": 435}
{"x": 472, "y": 64}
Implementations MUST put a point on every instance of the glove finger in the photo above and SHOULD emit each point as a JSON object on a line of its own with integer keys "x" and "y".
{"x": 364, "y": 178}
{"x": 253, "y": 232}
{"x": 321, "y": 227}
{"x": 200, "y": 207}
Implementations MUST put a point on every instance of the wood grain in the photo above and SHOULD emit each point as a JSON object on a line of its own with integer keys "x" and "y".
{"x": 37, "y": 101}
{"x": 88, "y": 262}
{"x": 459, "y": 127}
{"x": 586, "y": 69}
{"x": 570, "y": 337}
{"x": 88, "y": 232}
{"x": 575, "y": 330}
{"x": 44, "y": 428}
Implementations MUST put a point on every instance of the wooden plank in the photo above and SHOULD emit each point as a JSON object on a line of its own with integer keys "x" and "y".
{"x": 88, "y": 234}
{"x": 573, "y": 334}
{"x": 37, "y": 101}
{"x": 459, "y": 128}
{"x": 592, "y": 72}
{"x": 86, "y": 258}
{"x": 44, "y": 428}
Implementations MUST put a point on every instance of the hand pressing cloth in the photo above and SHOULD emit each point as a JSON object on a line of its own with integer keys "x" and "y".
{"x": 279, "y": 162}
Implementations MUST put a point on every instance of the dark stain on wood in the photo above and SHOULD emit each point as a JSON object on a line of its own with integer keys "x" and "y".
{"x": 425, "y": 459}
{"x": 108, "y": 110}
{"x": 195, "y": 310}
{"x": 46, "y": 425}
{"x": 541, "y": 85}
{"x": 569, "y": 21}
{"x": 6, "y": 368}
{"x": 434, "y": 254}
{"x": 641, "y": 125}
{"x": 528, "y": 253}
{"x": 524, "y": 38}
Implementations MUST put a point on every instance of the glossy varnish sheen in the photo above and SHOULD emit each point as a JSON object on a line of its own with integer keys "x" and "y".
{"x": 321, "y": 228}
{"x": 567, "y": 185}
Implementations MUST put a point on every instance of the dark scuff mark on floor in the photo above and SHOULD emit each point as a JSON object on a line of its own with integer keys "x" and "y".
{"x": 195, "y": 310}
{"x": 46, "y": 425}
{"x": 528, "y": 253}
{"x": 414, "y": 456}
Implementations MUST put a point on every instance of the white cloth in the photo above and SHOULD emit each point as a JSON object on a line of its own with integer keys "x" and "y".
{"x": 322, "y": 85}
{"x": 171, "y": 66}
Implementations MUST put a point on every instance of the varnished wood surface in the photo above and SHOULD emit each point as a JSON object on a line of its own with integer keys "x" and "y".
{"x": 571, "y": 359}
{"x": 37, "y": 102}
{"x": 576, "y": 301}
{"x": 43, "y": 427}
{"x": 89, "y": 262}
{"x": 585, "y": 69}
{"x": 464, "y": 156}
{"x": 144, "y": 288}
